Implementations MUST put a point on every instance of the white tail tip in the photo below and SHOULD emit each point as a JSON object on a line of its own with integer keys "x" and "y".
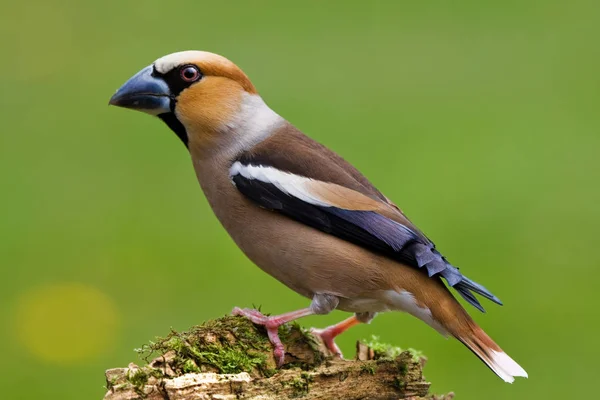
{"x": 505, "y": 367}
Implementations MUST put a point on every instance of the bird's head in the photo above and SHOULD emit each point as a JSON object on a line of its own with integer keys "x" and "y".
{"x": 203, "y": 97}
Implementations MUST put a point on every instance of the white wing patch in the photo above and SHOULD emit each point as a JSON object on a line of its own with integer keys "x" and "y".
{"x": 291, "y": 184}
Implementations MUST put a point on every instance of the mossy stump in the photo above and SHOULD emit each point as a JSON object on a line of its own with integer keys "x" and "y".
{"x": 231, "y": 358}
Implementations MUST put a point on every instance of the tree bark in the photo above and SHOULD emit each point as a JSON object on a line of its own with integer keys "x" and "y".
{"x": 230, "y": 358}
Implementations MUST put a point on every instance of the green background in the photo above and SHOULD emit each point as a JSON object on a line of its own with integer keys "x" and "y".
{"x": 480, "y": 119}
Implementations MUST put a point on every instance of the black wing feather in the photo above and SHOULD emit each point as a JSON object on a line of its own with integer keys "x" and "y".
{"x": 367, "y": 229}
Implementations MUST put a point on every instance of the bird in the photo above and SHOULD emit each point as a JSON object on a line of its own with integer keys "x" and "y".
{"x": 303, "y": 214}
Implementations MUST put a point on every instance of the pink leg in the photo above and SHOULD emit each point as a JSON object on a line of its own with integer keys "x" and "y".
{"x": 329, "y": 334}
{"x": 272, "y": 324}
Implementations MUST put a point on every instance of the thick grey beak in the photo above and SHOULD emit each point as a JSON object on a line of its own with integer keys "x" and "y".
{"x": 144, "y": 92}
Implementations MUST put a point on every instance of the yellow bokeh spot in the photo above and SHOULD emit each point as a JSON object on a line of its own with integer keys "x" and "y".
{"x": 66, "y": 323}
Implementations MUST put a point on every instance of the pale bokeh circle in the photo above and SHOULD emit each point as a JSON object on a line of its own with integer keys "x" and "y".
{"x": 66, "y": 323}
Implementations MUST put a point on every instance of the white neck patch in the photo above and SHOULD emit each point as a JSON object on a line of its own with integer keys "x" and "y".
{"x": 254, "y": 122}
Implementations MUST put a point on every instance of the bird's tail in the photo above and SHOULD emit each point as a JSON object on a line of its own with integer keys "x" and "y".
{"x": 491, "y": 354}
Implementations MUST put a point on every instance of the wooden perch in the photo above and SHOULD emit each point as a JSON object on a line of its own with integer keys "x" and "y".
{"x": 231, "y": 358}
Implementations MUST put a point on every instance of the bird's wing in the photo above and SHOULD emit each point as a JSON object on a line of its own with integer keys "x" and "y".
{"x": 329, "y": 197}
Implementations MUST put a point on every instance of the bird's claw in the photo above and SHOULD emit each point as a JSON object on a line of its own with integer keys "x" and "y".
{"x": 327, "y": 337}
{"x": 253, "y": 315}
{"x": 271, "y": 324}
{"x": 279, "y": 354}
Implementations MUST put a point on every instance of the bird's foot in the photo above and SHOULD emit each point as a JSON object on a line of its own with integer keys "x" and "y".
{"x": 253, "y": 315}
{"x": 271, "y": 324}
{"x": 328, "y": 335}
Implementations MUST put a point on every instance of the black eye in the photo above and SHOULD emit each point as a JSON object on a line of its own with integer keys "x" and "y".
{"x": 190, "y": 73}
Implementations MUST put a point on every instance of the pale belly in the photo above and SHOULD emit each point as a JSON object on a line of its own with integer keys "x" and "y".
{"x": 304, "y": 259}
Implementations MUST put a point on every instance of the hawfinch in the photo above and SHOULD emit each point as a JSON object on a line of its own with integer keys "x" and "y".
{"x": 301, "y": 212}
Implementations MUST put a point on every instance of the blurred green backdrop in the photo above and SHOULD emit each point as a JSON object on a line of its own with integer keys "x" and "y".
{"x": 480, "y": 119}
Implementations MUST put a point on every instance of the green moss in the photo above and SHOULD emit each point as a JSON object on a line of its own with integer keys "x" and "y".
{"x": 140, "y": 378}
{"x": 295, "y": 336}
{"x": 230, "y": 360}
{"x": 381, "y": 349}
{"x": 403, "y": 368}
{"x": 112, "y": 383}
{"x": 416, "y": 354}
{"x": 399, "y": 383}
{"x": 228, "y": 345}
{"x": 189, "y": 366}
{"x": 387, "y": 351}
{"x": 368, "y": 368}
{"x": 292, "y": 333}
{"x": 301, "y": 385}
